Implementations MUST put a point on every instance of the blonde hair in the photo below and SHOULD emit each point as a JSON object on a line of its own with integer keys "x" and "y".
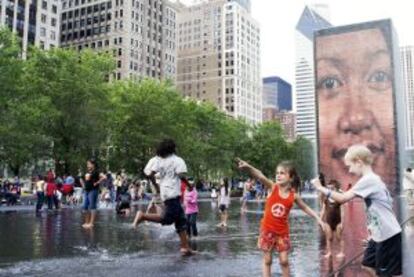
{"x": 359, "y": 152}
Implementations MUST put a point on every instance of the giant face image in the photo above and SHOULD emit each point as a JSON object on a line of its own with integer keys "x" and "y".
{"x": 354, "y": 86}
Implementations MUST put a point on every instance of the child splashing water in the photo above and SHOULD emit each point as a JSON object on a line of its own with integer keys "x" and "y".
{"x": 334, "y": 214}
{"x": 171, "y": 169}
{"x": 274, "y": 228}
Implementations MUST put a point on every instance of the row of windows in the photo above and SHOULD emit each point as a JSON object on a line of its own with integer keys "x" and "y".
{"x": 88, "y": 21}
{"x": 85, "y": 33}
{"x": 74, "y": 3}
{"x": 86, "y": 11}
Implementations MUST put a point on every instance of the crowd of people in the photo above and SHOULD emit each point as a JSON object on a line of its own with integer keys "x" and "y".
{"x": 10, "y": 191}
{"x": 173, "y": 199}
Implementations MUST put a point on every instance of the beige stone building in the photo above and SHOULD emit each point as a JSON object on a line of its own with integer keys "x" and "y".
{"x": 286, "y": 119}
{"x": 35, "y": 22}
{"x": 219, "y": 56}
{"x": 140, "y": 33}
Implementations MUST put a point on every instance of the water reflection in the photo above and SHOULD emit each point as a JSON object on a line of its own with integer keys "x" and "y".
{"x": 56, "y": 243}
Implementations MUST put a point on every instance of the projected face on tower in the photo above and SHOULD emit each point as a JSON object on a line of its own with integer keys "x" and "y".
{"x": 354, "y": 85}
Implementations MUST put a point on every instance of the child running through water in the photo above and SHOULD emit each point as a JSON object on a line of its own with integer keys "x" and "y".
{"x": 383, "y": 256}
{"x": 332, "y": 212}
{"x": 171, "y": 169}
{"x": 224, "y": 202}
{"x": 191, "y": 208}
{"x": 274, "y": 228}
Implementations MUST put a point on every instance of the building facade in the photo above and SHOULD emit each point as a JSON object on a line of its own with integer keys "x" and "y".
{"x": 286, "y": 119}
{"x": 139, "y": 33}
{"x": 304, "y": 98}
{"x": 35, "y": 22}
{"x": 407, "y": 62}
{"x": 219, "y": 57}
{"x": 277, "y": 93}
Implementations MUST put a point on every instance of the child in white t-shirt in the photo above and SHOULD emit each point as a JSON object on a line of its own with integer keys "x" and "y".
{"x": 171, "y": 169}
{"x": 384, "y": 252}
{"x": 224, "y": 202}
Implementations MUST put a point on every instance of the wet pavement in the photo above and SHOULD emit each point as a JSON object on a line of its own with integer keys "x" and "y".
{"x": 55, "y": 244}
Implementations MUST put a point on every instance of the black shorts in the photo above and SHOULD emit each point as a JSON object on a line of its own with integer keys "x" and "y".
{"x": 385, "y": 257}
{"x": 223, "y": 207}
{"x": 173, "y": 213}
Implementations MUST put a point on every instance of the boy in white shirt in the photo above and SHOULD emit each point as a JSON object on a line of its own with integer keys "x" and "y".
{"x": 384, "y": 253}
{"x": 171, "y": 169}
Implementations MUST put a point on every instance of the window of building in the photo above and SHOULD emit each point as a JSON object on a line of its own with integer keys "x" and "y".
{"x": 44, "y": 5}
{"x": 54, "y": 9}
{"x": 42, "y": 31}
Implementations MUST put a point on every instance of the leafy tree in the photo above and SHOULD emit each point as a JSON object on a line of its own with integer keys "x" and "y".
{"x": 75, "y": 84}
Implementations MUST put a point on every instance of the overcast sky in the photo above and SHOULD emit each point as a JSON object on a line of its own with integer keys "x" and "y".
{"x": 278, "y": 19}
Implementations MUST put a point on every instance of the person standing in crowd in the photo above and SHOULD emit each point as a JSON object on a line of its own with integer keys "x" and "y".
{"x": 191, "y": 208}
{"x": 224, "y": 202}
{"x": 91, "y": 192}
{"x": 40, "y": 192}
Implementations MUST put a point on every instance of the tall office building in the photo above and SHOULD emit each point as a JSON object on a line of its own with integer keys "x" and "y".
{"x": 34, "y": 21}
{"x": 219, "y": 57}
{"x": 277, "y": 93}
{"x": 140, "y": 34}
{"x": 304, "y": 97}
{"x": 407, "y": 63}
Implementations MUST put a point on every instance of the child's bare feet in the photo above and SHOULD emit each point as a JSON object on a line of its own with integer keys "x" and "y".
{"x": 187, "y": 252}
{"x": 327, "y": 255}
{"x": 87, "y": 226}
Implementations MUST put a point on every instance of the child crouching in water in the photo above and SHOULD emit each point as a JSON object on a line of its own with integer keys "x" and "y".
{"x": 274, "y": 228}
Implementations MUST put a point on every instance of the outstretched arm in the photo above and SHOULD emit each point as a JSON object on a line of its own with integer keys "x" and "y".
{"x": 308, "y": 210}
{"x": 255, "y": 173}
{"x": 337, "y": 196}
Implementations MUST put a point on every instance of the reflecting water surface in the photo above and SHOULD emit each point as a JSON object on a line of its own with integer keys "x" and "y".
{"x": 54, "y": 244}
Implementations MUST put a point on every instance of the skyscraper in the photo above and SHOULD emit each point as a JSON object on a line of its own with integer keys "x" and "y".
{"x": 277, "y": 93}
{"x": 407, "y": 63}
{"x": 35, "y": 22}
{"x": 219, "y": 57}
{"x": 304, "y": 99}
{"x": 140, "y": 34}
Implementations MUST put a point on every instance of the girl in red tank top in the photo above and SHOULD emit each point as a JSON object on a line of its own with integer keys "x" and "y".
{"x": 274, "y": 228}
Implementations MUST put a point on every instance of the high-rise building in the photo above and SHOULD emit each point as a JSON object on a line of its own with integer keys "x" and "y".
{"x": 35, "y": 22}
{"x": 140, "y": 34}
{"x": 407, "y": 63}
{"x": 286, "y": 119}
{"x": 219, "y": 57}
{"x": 277, "y": 93}
{"x": 304, "y": 97}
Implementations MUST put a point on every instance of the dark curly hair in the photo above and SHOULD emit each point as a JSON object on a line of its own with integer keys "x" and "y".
{"x": 166, "y": 148}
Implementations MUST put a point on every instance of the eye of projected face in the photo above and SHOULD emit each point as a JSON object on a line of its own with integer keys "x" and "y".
{"x": 329, "y": 83}
{"x": 379, "y": 80}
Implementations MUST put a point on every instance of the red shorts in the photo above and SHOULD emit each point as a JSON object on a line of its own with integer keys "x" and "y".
{"x": 269, "y": 241}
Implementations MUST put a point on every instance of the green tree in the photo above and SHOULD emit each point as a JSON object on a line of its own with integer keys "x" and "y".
{"x": 75, "y": 85}
{"x": 21, "y": 139}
